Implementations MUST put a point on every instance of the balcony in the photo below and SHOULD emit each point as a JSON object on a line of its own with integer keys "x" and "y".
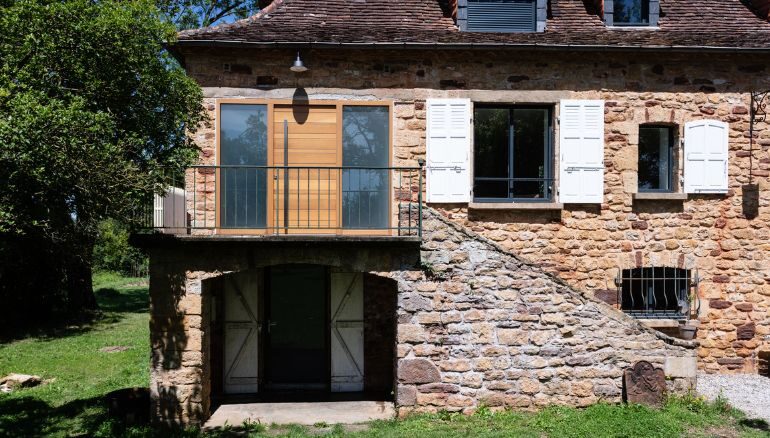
{"x": 281, "y": 201}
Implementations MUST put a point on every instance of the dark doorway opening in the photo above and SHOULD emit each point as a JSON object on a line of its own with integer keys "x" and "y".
{"x": 296, "y": 350}
{"x": 289, "y": 309}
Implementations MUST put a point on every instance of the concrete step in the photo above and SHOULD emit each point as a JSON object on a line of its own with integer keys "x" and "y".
{"x": 345, "y": 412}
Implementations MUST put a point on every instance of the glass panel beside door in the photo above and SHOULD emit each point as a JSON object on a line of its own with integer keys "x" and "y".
{"x": 365, "y": 153}
{"x": 243, "y": 145}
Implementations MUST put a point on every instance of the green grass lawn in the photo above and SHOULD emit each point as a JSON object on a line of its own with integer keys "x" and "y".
{"x": 79, "y": 375}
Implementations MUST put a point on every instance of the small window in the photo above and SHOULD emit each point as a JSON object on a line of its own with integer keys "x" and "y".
{"x": 512, "y": 154}
{"x": 631, "y": 12}
{"x": 502, "y": 16}
{"x": 655, "y": 292}
{"x": 656, "y": 159}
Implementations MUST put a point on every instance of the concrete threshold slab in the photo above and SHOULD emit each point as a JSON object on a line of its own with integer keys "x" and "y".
{"x": 345, "y": 412}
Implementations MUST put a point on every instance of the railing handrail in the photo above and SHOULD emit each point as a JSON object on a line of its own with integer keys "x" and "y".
{"x": 281, "y": 199}
{"x": 249, "y": 166}
{"x": 492, "y": 178}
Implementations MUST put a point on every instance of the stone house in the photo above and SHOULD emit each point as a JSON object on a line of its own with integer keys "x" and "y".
{"x": 444, "y": 204}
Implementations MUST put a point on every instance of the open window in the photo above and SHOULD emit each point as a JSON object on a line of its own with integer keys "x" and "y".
{"x": 655, "y": 292}
{"x": 657, "y": 163}
{"x": 639, "y": 13}
{"x": 512, "y": 154}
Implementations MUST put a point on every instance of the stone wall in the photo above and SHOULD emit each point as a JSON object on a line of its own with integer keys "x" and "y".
{"x": 182, "y": 275}
{"x": 479, "y": 326}
{"x": 723, "y": 237}
{"x": 475, "y": 324}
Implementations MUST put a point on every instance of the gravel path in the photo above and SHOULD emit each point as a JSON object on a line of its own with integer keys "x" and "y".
{"x": 747, "y": 392}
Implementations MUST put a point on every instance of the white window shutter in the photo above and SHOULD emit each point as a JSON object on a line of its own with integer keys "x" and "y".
{"x": 705, "y": 156}
{"x": 448, "y": 150}
{"x": 581, "y": 144}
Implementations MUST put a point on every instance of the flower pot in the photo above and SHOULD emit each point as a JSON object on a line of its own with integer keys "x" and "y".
{"x": 687, "y": 332}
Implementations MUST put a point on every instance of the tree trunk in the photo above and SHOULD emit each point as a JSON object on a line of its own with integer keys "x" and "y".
{"x": 79, "y": 284}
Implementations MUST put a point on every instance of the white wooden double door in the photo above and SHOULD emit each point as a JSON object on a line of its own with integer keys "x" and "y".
{"x": 243, "y": 327}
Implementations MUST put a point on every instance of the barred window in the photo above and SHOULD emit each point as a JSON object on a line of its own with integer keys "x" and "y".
{"x": 655, "y": 292}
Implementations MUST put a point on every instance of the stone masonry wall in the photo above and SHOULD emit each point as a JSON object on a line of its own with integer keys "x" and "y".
{"x": 480, "y": 326}
{"x": 724, "y": 237}
{"x": 475, "y": 325}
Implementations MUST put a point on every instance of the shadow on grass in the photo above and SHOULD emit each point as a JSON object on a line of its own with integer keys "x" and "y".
{"x": 32, "y": 417}
{"x": 755, "y": 423}
{"x": 114, "y": 304}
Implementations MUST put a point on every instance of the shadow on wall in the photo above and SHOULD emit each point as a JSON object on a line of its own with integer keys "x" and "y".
{"x": 658, "y": 207}
{"x": 513, "y": 217}
{"x": 168, "y": 338}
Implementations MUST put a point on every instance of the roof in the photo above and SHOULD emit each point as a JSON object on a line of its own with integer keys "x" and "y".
{"x": 684, "y": 24}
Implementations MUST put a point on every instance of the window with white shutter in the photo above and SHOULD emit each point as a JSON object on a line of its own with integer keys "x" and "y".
{"x": 705, "y": 156}
{"x": 581, "y": 147}
{"x": 448, "y": 150}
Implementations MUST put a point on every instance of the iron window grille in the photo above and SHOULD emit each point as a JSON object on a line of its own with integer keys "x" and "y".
{"x": 656, "y": 292}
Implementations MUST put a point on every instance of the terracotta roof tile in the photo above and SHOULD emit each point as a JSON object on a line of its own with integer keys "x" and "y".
{"x": 683, "y": 23}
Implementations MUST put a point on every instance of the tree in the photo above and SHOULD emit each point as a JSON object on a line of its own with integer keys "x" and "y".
{"x": 191, "y": 14}
{"x": 92, "y": 112}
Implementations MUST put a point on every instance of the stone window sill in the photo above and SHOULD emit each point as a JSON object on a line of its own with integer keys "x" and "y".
{"x": 661, "y": 323}
{"x": 660, "y": 196}
{"x": 515, "y": 206}
{"x": 638, "y": 27}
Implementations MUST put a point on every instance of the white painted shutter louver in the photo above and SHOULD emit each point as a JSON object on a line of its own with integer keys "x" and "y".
{"x": 581, "y": 144}
{"x": 448, "y": 150}
{"x": 705, "y": 156}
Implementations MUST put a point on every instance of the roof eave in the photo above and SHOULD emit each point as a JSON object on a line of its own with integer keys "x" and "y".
{"x": 463, "y": 46}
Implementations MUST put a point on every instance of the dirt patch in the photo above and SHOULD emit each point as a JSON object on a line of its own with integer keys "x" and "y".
{"x": 14, "y": 382}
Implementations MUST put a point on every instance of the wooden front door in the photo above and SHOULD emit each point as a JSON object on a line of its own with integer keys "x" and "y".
{"x": 306, "y": 197}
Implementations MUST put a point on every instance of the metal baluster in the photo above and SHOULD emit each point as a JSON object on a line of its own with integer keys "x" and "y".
{"x": 308, "y": 197}
{"x": 286, "y": 175}
{"x": 419, "y": 203}
{"x": 318, "y": 190}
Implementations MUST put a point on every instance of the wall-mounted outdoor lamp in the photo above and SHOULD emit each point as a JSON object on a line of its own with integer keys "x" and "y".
{"x": 298, "y": 66}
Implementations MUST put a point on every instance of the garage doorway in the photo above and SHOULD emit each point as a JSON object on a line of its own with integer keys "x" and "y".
{"x": 303, "y": 333}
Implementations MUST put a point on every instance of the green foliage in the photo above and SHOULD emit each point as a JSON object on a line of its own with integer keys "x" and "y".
{"x": 191, "y": 14}
{"x": 93, "y": 112}
{"x": 113, "y": 252}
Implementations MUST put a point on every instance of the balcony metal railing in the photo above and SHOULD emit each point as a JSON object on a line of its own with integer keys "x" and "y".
{"x": 290, "y": 200}
{"x": 502, "y": 189}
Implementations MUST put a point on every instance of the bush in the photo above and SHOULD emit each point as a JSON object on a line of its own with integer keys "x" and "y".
{"x": 112, "y": 252}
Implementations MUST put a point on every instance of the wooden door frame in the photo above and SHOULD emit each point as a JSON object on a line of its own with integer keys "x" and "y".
{"x": 270, "y": 107}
